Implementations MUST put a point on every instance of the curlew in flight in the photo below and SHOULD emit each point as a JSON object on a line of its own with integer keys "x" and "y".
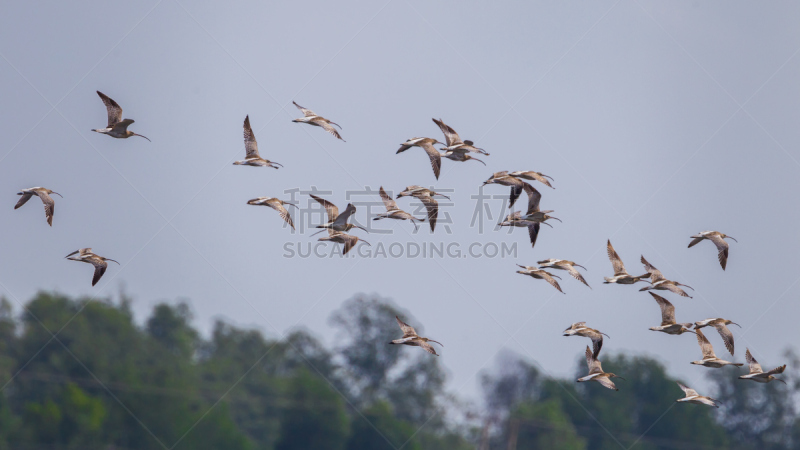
{"x": 533, "y": 176}
{"x": 251, "y": 157}
{"x": 99, "y": 262}
{"x": 596, "y": 372}
{"x": 393, "y": 212}
{"x": 668, "y": 324}
{"x": 336, "y": 221}
{"x": 117, "y": 127}
{"x": 693, "y": 397}
{"x": 348, "y": 240}
{"x": 709, "y": 358}
{"x": 277, "y": 205}
{"x": 757, "y": 374}
{"x": 410, "y": 337}
{"x": 722, "y": 329}
{"x": 44, "y": 195}
{"x": 719, "y": 240}
{"x": 580, "y": 329}
{"x": 427, "y": 145}
{"x": 621, "y": 275}
{"x": 540, "y": 274}
{"x": 659, "y": 282}
{"x": 311, "y": 118}
{"x": 426, "y": 197}
{"x": 454, "y": 142}
{"x": 563, "y": 264}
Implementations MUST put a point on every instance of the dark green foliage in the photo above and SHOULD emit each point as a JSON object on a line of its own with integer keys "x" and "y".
{"x": 107, "y": 383}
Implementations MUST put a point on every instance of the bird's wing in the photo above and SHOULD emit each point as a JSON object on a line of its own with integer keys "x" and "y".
{"x": 516, "y": 190}
{"x": 533, "y": 232}
{"x": 725, "y": 334}
{"x": 755, "y": 367}
{"x": 450, "y": 135}
{"x": 667, "y": 309}
{"x": 250, "y": 144}
{"x": 432, "y": 206}
{"x": 616, "y": 262}
{"x": 112, "y": 108}
{"x": 427, "y": 347}
{"x": 533, "y": 197}
{"x": 387, "y": 201}
{"x": 549, "y": 278}
{"x": 342, "y": 219}
{"x": 330, "y": 208}
{"x": 350, "y": 241}
{"x": 577, "y": 275}
{"x": 672, "y": 287}
{"x": 606, "y": 382}
{"x": 655, "y": 274}
{"x": 85, "y": 251}
{"x": 687, "y": 390}
{"x": 278, "y": 206}
{"x": 530, "y": 175}
{"x": 49, "y": 206}
{"x": 695, "y": 241}
{"x": 328, "y": 127}
{"x": 722, "y": 249}
{"x": 435, "y": 157}
{"x": 22, "y": 200}
{"x": 306, "y": 112}
{"x": 776, "y": 370}
{"x": 99, "y": 269}
{"x": 705, "y": 346}
{"x": 407, "y": 329}
{"x": 597, "y": 342}
{"x": 592, "y": 362}
{"x": 706, "y": 401}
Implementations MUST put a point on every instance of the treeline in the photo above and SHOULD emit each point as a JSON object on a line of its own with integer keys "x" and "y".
{"x": 104, "y": 382}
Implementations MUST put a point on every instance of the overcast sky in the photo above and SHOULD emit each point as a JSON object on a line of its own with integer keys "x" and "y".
{"x": 656, "y": 122}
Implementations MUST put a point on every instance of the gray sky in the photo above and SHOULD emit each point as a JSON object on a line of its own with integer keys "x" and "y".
{"x": 656, "y": 122}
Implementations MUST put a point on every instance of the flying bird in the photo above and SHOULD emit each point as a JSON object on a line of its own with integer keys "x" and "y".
{"x": 709, "y": 358}
{"x": 410, "y": 337}
{"x": 693, "y": 397}
{"x": 348, "y": 240}
{"x": 757, "y": 374}
{"x": 621, "y": 275}
{"x": 659, "y": 282}
{"x": 427, "y": 145}
{"x": 117, "y": 127}
{"x": 504, "y": 179}
{"x": 563, "y": 264}
{"x": 393, "y": 212}
{"x": 540, "y": 274}
{"x": 719, "y": 240}
{"x": 336, "y": 221}
{"x": 533, "y": 176}
{"x": 722, "y": 329}
{"x": 99, "y": 262}
{"x": 277, "y": 205}
{"x": 533, "y": 218}
{"x": 252, "y": 158}
{"x": 668, "y": 324}
{"x": 596, "y": 372}
{"x": 460, "y": 156}
{"x": 44, "y": 195}
{"x": 426, "y": 197}
{"x": 311, "y": 118}
{"x": 454, "y": 142}
{"x": 580, "y": 329}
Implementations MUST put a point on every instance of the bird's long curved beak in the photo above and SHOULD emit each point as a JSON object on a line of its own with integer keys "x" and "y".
{"x": 365, "y": 242}
{"x": 781, "y": 381}
{"x": 734, "y": 323}
{"x": 109, "y": 259}
{"x": 277, "y": 164}
{"x": 137, "y": 134}
{"x": 361, "y": 228}
{"x": 686, "y": 285}
{"x": 556, "y": 218}
{"x": 476, "y": 159}
{"x": 292, "y": 204}
{"x": 584, "y": 268}
{"x": 617, "y": 376}
{"x": 547, "y": 224}
{"x": 605, "y": 335}
{"x": 318, "y": 232}
{"x": 76, "y": 251}
{"x": 443, "y": 345}
{"x": 58, "y": 194}
{"x": 734, "y": 239}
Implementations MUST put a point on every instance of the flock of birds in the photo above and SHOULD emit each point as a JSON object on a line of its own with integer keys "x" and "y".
{"x": 456, "y": 149}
